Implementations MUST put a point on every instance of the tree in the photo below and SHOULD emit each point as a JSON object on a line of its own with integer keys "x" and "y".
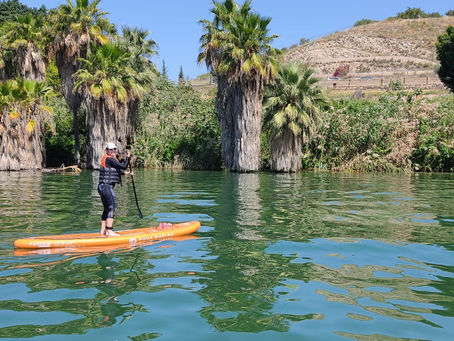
{"x": 304, "y": 41}
{"x": 26, "y": 40}
{"x": 445, "y": 54}
{"x": 416, "y": 13}
{"x": 22, "y": 122}
{"x": 181, "y": 76}
{"x": 292, "y": 115}
{"x": 411, "y": 13}
{"x": 23, "y": 115}
{"x": 140, "y": 48}
{"x": 164, "y": 69}
{"x": 11, "y": 9}
{"x": 108, "y": 83}
{"x": 434, "y": 15}
{"x": 77, "y": 26}
{"x": 236, "y": 48}
{"x": 450, "y": 13}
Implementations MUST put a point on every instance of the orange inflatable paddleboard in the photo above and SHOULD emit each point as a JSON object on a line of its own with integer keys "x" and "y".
{"x": 90, "y": 250}
{"x": 129, "y": 237}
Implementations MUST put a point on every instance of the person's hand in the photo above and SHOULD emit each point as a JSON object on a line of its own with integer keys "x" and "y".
{"x": 129, "y": 173}
{"x": 128, "y": 154}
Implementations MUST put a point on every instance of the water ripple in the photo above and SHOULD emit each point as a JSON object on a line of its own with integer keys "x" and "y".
{"x": 314, "y": 256}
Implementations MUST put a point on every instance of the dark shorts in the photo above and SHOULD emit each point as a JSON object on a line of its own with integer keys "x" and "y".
{"x": 108, "y": 199}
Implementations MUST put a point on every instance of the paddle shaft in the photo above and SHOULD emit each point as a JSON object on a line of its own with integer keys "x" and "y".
{"x": 135, "y": 194}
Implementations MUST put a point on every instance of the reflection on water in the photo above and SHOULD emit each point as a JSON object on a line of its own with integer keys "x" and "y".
{"x": 371, "y": 281}
{"x": 23, "y": 200}
{"x": 248, "y": 212}
{"x": 279, "y": 257}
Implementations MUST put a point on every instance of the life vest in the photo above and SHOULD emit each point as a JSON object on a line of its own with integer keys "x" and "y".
{"x": 108, "y": 175}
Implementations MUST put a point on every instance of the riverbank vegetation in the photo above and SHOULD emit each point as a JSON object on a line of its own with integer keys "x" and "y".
{"x": 69, "y": 82}
{"x": 396, "y": 131}
{"x": 178, "y": 128}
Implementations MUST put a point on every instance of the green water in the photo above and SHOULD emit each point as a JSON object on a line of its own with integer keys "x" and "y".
{"x": 278, "y": 257}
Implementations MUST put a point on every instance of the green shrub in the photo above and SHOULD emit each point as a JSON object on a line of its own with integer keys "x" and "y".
{"x": 435, "y": 150}
{"x": 445, "y": 48}
{"x": 396, "y": 85}
{"x": 411, "y": 13}
{"x": 59, "y": 139}
{"x": 364, "y": 135}
{"x": 364, "y": 22}
{"x": 416, "y": 13}
{"x": 434, "y": 15}
{"x": 177, "y": 128}
{"x": 265, "y": 151}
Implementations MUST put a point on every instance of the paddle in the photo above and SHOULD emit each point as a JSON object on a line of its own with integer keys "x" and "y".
{"x": 135, "y": 194}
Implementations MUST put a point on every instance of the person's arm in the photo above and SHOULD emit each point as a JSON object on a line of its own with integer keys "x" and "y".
{"x": 111, "y": 162}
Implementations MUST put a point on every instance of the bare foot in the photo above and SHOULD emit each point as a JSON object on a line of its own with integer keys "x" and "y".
{"x": 103, "y": 232}
{"x": 110, "y": 233}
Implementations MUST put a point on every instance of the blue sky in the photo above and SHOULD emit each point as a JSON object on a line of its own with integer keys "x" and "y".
{"x": 173, "y": 24}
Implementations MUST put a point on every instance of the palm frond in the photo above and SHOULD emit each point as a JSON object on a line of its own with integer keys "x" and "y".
{"x": 96, "y": 90}
{"x": 31, "y": 125}
{"x": 242, "y": 38}
{"x": 294, "y": 102}
{"x": 121, "y": 93}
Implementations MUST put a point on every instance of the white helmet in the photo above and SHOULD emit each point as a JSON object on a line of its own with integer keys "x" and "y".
{"x": 111, "y": 145}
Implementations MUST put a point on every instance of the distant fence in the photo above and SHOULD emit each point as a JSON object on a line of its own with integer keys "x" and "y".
{"x": 409, "y": 81}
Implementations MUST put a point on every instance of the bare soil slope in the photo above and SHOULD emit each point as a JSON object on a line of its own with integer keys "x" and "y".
{"x": 383, "y": 48}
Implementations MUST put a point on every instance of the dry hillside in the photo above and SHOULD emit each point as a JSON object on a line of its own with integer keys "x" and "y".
{"x": 378, "y": 49}
{"x": 376, "y": 53}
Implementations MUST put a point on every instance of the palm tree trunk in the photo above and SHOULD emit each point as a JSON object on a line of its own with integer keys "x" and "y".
{"x": 286, "y": 152}
{"x": 108, "y": 121}
{"x": 239, "y": 109}
{"x": 67, "y": 66}
{"x": 30, "y": 62}
{"x": 131, "y": 120}
{"x": 225, "y": 113}
{"x": 19, "y": 148}
{"x": 248, "y": 125}
{"x": 100, "y": 129}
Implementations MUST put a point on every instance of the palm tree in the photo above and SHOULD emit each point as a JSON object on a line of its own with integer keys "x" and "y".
{"x": 135, "y": 41}
{"x": 140, "y": 48}
{"x": 108, "y": 84}
{"x": 23, "y": 113}
{"x": 77, "y": 26}
{"x": 22, "y": 118}
{"x": 292, "y": 115}
{"x": 236, "y": 47}
{"x": 26, "y": 39}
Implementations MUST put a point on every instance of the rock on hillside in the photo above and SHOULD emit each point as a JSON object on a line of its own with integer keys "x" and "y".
{"x": 382, "y": 48}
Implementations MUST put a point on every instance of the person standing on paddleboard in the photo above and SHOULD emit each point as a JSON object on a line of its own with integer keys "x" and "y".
{"x": 110, "y": 172}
